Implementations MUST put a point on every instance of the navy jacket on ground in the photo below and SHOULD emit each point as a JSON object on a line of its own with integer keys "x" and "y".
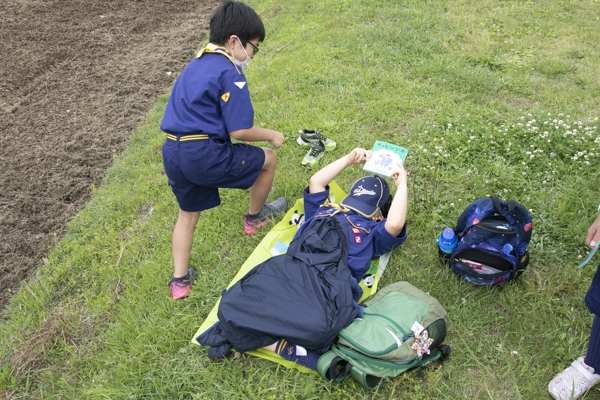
{"x": 303, "y": 296}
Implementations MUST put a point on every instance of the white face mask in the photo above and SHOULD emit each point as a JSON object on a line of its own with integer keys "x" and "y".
{"x": 242, "y": 64}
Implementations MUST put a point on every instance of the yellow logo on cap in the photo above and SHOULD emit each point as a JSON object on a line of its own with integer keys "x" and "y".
{"x": 225, "y": 97}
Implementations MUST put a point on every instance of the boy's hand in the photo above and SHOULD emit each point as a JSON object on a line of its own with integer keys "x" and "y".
{"x": 358, "y": 156}
{"x": 593, "y": 234}
{"x": 277, "y": 139}
{"x": 399, "y": 175}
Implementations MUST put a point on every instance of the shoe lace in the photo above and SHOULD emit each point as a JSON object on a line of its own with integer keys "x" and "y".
{"x": 315, "y": 135}
{"x": 320, "y": 137}
{"x": 314, "y": 151}
{"x": 323, "y": 138}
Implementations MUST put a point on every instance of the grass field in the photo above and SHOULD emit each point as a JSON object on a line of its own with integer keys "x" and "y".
{"x": 491, "y": 98}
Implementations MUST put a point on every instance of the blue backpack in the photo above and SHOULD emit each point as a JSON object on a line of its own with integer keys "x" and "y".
{"x": 493, "y": 236}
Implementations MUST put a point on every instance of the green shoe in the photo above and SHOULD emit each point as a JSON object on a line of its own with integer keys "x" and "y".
{"x": 317, "y": 149}
{"x": 311, "y": 136}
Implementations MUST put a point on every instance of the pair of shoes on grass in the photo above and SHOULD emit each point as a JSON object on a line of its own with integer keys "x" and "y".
{"x": 319, "y": 144}
{"x": 573, "y": 381}
{"x": 268, "y": 212}
{"x": 181, "y": 287}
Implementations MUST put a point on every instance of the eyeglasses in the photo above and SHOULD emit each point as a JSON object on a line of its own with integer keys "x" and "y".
{"x": 254, "y": 48}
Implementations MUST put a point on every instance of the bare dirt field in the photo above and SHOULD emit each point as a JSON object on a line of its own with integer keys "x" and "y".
{"x": 77, "y": 77}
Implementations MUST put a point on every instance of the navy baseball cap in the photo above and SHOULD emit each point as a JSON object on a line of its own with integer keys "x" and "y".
{"x": 367, "y": 195}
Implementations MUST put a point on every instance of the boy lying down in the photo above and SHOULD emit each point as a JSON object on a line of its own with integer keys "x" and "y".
{"x": 295, "y": 304}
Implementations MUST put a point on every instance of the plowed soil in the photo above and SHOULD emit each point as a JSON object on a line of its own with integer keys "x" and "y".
{"x": 76, "y": 78}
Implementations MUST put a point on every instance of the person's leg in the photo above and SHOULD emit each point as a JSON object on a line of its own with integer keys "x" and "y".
{"x": 592, "y": 356}
{"x": 259, "y": 213}
{"x": 183, "y": 236}
{"x": 582, "y": 374}
{"x": 262, "y": 186}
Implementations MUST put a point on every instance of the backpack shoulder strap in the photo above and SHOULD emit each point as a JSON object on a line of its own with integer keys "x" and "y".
{"x": 498, "y": 206}
{"x": 333, "y": 368}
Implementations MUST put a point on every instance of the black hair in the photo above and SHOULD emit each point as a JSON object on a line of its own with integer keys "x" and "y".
{"x": 385, "y": 208}
{"x": 235, "y": 18}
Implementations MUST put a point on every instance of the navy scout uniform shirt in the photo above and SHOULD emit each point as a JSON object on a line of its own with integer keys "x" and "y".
{"x": 366, "y": 238}
{"x": 213, "y": 97}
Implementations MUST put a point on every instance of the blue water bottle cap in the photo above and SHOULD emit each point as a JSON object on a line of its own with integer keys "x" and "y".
{"x": 447, "y": 240}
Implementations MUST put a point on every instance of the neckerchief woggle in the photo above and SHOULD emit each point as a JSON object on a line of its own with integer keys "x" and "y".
{"x": 338, "y": 208}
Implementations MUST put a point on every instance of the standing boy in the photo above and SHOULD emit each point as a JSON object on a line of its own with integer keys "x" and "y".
{"x": 582, "y": 374}
{"x": 209, "y": 105}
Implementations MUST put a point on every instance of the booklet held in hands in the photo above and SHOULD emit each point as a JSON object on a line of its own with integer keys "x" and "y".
{"x": 384, "y": 157}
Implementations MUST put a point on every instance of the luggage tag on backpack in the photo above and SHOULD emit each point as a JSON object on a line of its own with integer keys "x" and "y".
{"x": 417, "y": 328}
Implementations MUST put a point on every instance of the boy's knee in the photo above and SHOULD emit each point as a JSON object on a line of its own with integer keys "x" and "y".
{"x": 270, "y": 158}
{"x": 189, "y": 217}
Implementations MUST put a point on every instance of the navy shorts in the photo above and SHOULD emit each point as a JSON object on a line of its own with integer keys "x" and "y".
{"x": 197, "y": 169}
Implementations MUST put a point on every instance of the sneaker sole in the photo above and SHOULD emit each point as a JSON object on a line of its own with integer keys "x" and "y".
{"x": 302, "y": 142}
{"x": 309, "y": 165}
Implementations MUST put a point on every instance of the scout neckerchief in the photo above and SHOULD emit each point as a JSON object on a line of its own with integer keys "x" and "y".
{"x": 213, "y": 48}
{"x": 339, "y": 209}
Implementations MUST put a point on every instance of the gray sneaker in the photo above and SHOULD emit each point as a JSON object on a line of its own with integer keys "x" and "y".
{"x": 317, "y": 149}
{"x": 273, "y": 208}
{"x": 311, "y": 136}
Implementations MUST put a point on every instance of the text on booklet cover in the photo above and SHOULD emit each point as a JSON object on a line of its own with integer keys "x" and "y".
{"x": 384, "y": 157}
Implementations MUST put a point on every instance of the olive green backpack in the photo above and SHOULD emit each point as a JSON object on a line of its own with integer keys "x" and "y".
{"x": 381, "y": 345}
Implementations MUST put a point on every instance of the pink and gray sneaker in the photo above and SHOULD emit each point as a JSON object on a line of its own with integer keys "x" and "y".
{"x": 270, "y": 210}
{"x": 181, "y": 287}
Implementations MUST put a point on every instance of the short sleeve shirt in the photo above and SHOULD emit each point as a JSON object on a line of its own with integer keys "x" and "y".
{"x": 210, "y": 96}
{"x": 366, "y": 238}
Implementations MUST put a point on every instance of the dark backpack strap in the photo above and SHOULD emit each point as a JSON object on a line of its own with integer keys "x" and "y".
{"x": 338, "y": 374}
{"x": 498, "y": 206}
{"x": 445, "y": 349}
{"x": 522, "y": 262}
{"x": 367, "y": 380}
{"x": 333, "y": 368}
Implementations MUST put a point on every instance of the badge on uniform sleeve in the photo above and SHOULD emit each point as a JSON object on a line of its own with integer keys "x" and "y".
{"x": 225, "y": 97}
{"x": 240, "y": 84}
{"x": 357, "y": 240}
{"x": 354, "y": 230}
